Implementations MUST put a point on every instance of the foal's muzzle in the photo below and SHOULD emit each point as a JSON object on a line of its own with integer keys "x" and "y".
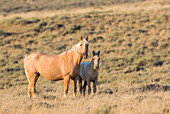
{"x": 96, "y": 67}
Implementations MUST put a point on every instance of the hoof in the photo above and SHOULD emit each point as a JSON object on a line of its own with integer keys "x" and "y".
{"x": 29, "y": 96}
{"x": 74, "y": 96}
{"x": 34, "y": 96}
{"x": 65, "y": 96}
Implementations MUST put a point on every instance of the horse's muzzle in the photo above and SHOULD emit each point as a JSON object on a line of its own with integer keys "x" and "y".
{"x": 85, "y": 56}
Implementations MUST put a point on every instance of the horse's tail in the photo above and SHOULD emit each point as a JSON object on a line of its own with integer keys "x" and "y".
{"x": 25, "y": 58}
{"x": 26, "y": 73}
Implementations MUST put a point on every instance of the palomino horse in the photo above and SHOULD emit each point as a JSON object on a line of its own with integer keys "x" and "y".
{"x": 89, "y": 72}
{"x": 56, "y": 67}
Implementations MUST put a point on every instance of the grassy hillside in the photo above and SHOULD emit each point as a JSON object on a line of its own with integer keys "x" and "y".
{"x": 134, "y": 73}
{"x": 18, "y": 6}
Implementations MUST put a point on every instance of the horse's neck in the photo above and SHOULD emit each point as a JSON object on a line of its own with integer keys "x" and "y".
{"x": 75, "y": 57}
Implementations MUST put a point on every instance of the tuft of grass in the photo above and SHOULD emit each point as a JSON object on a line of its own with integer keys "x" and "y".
{"x": 103, "y": 110}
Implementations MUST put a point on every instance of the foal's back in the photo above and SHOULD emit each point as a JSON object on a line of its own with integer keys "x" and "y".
{"x": 87, "y": 73}
{"x": 83, "y": 70}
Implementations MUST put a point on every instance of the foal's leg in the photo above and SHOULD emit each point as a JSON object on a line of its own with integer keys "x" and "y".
{"x": 84, "y": 87}
{"x": 74, "y": 84}
{"x": 89, "y": 87}
{"x": 94, "y": 86}
{"x": 80, "y": 85}
{"x": 66, "y": 85}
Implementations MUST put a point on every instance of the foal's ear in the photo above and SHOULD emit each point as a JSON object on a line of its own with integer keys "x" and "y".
{"x": 81, "y": 38}
{"x": 87, "y": 38}
{"x": 99, "y": 52}
{"x": 93, "y": 53}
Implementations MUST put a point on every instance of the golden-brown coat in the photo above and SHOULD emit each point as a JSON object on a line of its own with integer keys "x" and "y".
{"x": 56, "y": 67}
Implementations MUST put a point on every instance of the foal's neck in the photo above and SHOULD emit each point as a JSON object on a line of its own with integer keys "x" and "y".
{"x": 91, "y": 65}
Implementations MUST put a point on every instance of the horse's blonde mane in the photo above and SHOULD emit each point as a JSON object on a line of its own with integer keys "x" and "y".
{"x": 77, "y": 46}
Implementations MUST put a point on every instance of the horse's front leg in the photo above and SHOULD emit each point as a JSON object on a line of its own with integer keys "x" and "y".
{"x": 66, "y": 85}
{"x": 74, "y": 84}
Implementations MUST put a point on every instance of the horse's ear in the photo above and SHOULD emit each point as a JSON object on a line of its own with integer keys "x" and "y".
{"x": 99, "y": 52}
{"x": 87, "y": 38}
{"x": 81, "y": 38}
{"x": 93, "y": 53}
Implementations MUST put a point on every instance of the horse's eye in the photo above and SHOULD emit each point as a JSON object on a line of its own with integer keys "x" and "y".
{"x": 80, "y": 44}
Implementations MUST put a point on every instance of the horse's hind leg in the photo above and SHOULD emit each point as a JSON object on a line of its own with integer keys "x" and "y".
{"x": 32, "y": 78}
{"x": 28, "y": 77}
{"x": 36, "y": 78}
{"x": 29, "y": 90}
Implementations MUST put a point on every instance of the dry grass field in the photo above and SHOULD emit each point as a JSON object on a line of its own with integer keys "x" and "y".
{"x": 132, "y": 35}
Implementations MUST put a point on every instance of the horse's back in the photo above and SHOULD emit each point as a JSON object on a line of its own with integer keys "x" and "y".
{"x": 39, "y": 55}
{"x": 33, "y": 56}
{"x": 49, "y": 66}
